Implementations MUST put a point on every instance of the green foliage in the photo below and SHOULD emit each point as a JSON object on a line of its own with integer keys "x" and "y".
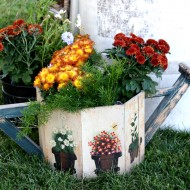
{"x": 141, "y": 59}
{"x": 165, "y": 167}
{"x": 24, "y": 55}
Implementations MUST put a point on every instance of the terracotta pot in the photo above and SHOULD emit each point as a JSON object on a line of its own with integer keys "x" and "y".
{"x": 64, "y": 161}
{"x": 106, "y": 163}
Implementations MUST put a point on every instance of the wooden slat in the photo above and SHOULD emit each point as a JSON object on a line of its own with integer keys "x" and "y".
{"x": 12, "y": 110}
{"x": 25, "y": 142}
{"x": 165, "y": 107}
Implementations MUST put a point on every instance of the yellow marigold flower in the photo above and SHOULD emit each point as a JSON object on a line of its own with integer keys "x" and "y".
{"x": 46, "y": 86}
{"x": 75, "y": 45}
{"x": 77, "y": 83}
{"x": 79, "y": 52}
{"x": 54, "y": 68}
{"x": 62, "y": 77}
{"x": 37, "y": 82}
{"x": 72, "y": 74}
{"x": 88, "y": 49}
{"x": 44, "y": 72}
{"x": 66, "y": 59}
{"x": 50, "y": 78}
{"x": 79, "y": 63}
{"x": 61, "y": 85}
{"x": 73, "y": 58}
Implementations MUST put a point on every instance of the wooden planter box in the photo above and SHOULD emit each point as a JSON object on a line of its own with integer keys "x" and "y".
{"x": 121, "y": 119}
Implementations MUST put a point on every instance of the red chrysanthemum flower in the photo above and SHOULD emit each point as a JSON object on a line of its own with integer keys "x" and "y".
{"x": 140, "y": 59}
{"x": 136, "y": 47}
{"x": 163, "y": 61}
{"x": 154, "y": 60}
{"x": 120, "y": 43}
{"x": 152, "y": 43}
{"x": 1, "y": 47}
{"x": 136, "y": 39}
{"x": 119, "y": 36}
{"x": 148, "y": 50}
{"x": 163, "y": 46}
{"x": 131, "y": 51}
{"x": 34, "y": 29}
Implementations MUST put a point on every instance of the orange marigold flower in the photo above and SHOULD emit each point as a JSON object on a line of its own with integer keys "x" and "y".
{"x": 37, "y": 82}
{"x": 61, "y": 85}
{"x": 1, "y": 47}
{"x": 50, "y": 78}
{"x": 72, "y": 74}
{"x": 19, "y": 22}
{"x": 77, "y": 82}
{"x": 88, "y": 49}
{"x": 79, "y": 52}
{"x": 46, "y": 86}
{"x": 80, "y": 63}
{"x": 62, "y": 77}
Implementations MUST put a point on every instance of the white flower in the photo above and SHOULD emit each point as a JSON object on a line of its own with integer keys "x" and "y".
{"x": 52, "y": 143}
{"x": 67, "y": 37}
{"x": 60, "y": 139}
{"x": 62, "y": 146}
{"x": 58, "y": 16}
{"x": 78, "y": 21}
{"x": 75, "y": 144}
{"x": 63, "y": 131}
{"x": 61, "y": 12}
{"x": 66, "y": 142}
{"x": 55, "y": 130}
{"x": 70, "y": 137}
{"x": 71, "y": 145}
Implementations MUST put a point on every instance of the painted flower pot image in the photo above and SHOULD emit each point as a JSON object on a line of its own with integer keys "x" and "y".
{"x": 65, "y": 161}
{"x": 105, "y": 163}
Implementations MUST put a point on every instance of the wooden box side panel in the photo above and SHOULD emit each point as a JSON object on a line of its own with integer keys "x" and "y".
{"x": 141, "y": 104}
{"x": 59, "y": 120}
{"x": 96, "y": 120}
{"x": 134, "y": 115}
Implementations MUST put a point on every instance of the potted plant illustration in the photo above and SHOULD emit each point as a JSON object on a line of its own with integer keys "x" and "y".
{"x": 134, "y": 146}
{"x": 63, "y": 149}
{"x": 106, "y": 150}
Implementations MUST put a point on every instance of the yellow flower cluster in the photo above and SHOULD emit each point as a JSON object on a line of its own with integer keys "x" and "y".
{"x": 65, "y": 65}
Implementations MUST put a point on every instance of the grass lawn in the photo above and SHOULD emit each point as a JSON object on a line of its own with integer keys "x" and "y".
{"x": 166, "y": 166}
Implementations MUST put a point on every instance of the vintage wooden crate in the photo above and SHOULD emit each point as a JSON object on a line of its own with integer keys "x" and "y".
{"x": 124, "y": 120}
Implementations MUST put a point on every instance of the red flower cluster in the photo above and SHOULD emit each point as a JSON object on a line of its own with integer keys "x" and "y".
{"x": 17, "y": 28}
{"x": 105, "y": 143}
{"x": 150, "y": 51}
